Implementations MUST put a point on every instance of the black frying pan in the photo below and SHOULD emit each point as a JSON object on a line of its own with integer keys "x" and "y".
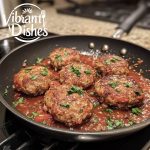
{"x": 11, "y": 63}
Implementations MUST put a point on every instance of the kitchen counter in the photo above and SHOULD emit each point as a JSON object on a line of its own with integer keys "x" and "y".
{"x": 70, "y": 25}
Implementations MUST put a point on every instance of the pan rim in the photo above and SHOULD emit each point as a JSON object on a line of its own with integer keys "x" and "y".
{"x": 67, "y": 131}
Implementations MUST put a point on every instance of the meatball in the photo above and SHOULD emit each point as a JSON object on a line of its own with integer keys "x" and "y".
{"x": 33, "y": 80}
{"x": 119, "y": 91}
{"x": 78, "y": 74}
{"x": 111, "y": 64}
{"x": 68, "y": 104}
{"x": 62, "y": 56}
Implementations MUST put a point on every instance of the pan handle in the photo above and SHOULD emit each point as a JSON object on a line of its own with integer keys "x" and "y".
{"x": 127, "y": 25}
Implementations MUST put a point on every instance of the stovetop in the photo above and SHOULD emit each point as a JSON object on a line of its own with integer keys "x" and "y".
{"x": 15, "y": 136}
{"x": 110, "y": 11}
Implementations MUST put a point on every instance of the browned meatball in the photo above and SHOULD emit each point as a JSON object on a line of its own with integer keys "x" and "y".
{"x": 119, "y": 91}
{"x": 68, "y": 104}
{"x": 77, "y": 74}
{"x": 111, "y": 64}
{"x": 62, "y": 56}
{"x": 33, "y": 80}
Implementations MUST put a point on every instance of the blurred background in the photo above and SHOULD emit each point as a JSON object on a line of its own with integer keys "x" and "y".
{"x": 91, "y": 17}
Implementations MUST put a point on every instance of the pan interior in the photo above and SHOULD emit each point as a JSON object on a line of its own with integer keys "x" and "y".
{"x": 13, "y": 61}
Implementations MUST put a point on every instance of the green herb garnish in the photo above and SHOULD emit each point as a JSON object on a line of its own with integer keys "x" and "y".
{"x": 65, "y": 105}
{"x": 44, "y": 72}
{"x": 109, "y": 110}
{"x": 115, "y": 58}
{"x": 88, "y": 72}
{"x": 95, "y": 120}
{"x": 81, "y": 111}
{"x": 112, "y": 124}
{"x": 58, "y": 57}
{"x": 33, "y": 77}
{"x": 128, "y": 84}
{"x": 65, "y": 53}
{"x": 96, "y": 104}
{"x": 44, "y": 122}
{"x": 75, "y": 89}
{"x": 130, "y": 123}
{"x": 38, "y": 60}
{"x": 112, "y": 60}
{"x": 118, "y": 123}
{"x": 107, "y": 62}
{"x": 75, "y": 71}
{"x": 113, "y": 84}
{"x": 33, "y": 115}
{"x": 19, "y": 101}
{"x": 27, "y": 70}
{"x": 136, "y": 111}
{"x": 109, "y": 123}
{"x": 6, "y": 91}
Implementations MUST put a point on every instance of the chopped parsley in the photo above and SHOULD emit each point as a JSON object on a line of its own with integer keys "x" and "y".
{"x": 96, "y": 104}
{"x": 128, "y": 84}
{"x": 75, "y": 89}
{"x": 130, "y": 123}
{"x": 81, "y": 111}
{"x": 19, "y": 101}
{"x": 95, "y": 120}
{"x": 107, "y": 61}
{"x": 44, "y": 122}
{"x": 44, "y": 72}
{"x": 27, "y": 70}
{"x": 65, "y": 53}
{"x": 109, "y": 110}
{"x": 113, "y": 124}
{"x": 88, "y": 72}
{"x": 33, "y": 115}
{"x": 112, "y": 60}
{"x": 113, "y": 84}
{"x": 136, "y": 111}
{"x": 6, "y": 91}
{"x": 65, "y": 105}
{"x": 33, "y": 77}
{"x": 75, "y": 71}
{"x": 38, "y": 60}
{"x": 58, "y": 57}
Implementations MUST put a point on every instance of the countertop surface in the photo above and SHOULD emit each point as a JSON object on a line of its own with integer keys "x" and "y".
{"x": 71, "y": 25}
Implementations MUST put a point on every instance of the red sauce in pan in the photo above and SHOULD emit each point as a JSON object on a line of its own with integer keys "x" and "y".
{"x": 103, "y": 118}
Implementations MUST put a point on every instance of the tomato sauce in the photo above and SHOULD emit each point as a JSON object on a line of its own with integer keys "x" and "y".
{"x": 103, "y": 118}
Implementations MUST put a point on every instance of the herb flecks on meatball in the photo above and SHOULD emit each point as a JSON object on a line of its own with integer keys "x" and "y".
{"x": 60, "y": 57}
{"x": 111, "y": 64}
{"x": 119, "y": 91}
{"x": 68, "y": 104}
{"x": 78, "y": 74}
{"x": 33, "y": 80}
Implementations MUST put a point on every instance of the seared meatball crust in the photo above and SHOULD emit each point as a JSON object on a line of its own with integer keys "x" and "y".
{"x": 78, "y": 74}
{"x": 32, "y": 80}
{"x": 68, "y": 104}
{"x": 111, "y": 65}
{"x": 119, "y": 91}
{"x": 60, "y": 57}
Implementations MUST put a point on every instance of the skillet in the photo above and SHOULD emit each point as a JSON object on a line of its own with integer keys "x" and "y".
{"x": 12, "y": 62}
